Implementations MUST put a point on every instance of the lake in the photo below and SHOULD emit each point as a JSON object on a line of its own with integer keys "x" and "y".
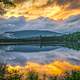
{"x": 20, "y": 54}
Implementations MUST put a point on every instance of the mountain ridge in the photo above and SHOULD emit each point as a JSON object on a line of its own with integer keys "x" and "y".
{"x": 28, "y": 34}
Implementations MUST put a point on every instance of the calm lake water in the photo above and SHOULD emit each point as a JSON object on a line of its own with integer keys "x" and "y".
{"x": 20, "y": 54}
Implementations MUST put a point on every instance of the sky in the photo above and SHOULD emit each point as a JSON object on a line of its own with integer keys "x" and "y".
{"x": 56, "y": 15}
{"x": 53, "y": 9}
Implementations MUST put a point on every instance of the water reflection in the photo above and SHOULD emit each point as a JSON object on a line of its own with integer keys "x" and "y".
{"x": 41, "y": 53}
{"x": 28, "y": 48}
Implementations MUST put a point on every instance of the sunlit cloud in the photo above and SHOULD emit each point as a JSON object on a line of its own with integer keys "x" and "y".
{"x": 53, "y": 9}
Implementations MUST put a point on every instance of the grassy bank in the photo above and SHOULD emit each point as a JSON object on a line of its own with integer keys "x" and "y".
{"x": 8, "y": 72}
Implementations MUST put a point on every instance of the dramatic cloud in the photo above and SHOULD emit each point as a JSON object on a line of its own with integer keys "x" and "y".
{"x": 54, "y": 9}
